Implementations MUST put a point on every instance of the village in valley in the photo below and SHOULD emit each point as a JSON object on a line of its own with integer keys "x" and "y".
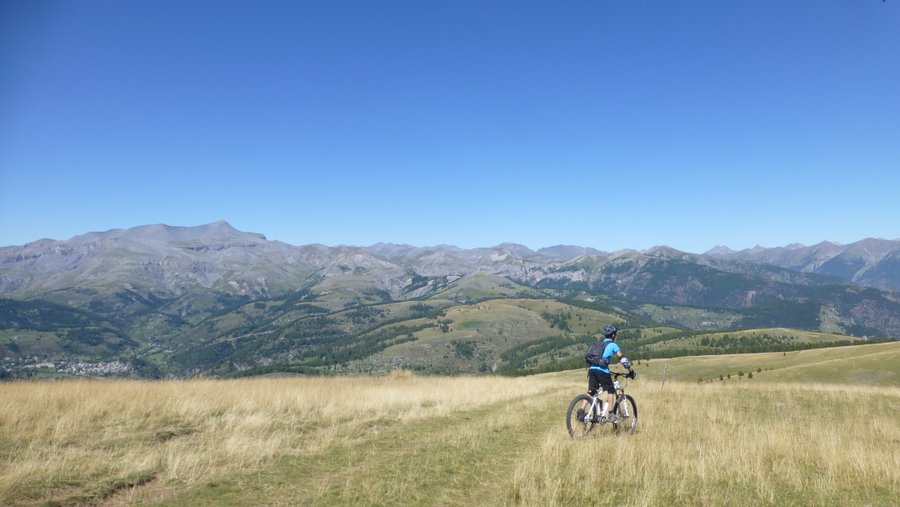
{"x": 34, "y": 366}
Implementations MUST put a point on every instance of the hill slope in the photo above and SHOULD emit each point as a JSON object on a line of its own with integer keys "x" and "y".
{"x": 872, "y": 364}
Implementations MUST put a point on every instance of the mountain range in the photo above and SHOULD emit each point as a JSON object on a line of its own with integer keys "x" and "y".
{"x": 871, "y": 262}
{"x": 190, "y": 286}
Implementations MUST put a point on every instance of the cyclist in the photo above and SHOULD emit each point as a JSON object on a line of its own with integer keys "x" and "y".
{"x": 599, "y": 356}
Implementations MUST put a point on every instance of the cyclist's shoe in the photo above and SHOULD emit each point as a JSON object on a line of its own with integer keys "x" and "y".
{"x": 580, "y": 415}
{"x": 613, "y": 418}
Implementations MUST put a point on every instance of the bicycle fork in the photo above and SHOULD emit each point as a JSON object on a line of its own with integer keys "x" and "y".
{"x": 621, "y": 407}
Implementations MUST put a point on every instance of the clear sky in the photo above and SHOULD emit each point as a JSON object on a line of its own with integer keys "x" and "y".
{"x": 600, "y": 123}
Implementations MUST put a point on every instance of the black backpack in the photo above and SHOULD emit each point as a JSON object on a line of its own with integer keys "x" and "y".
{"x": 594, "y": 356}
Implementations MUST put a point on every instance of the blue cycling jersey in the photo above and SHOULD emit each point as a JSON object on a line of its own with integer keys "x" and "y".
{"x": 608, "y": 352}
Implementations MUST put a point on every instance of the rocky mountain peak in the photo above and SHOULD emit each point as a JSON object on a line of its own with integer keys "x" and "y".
{"x": 719, "y": 250}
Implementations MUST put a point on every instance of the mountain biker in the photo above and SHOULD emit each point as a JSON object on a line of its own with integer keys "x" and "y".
{"x": 599, "y": 356}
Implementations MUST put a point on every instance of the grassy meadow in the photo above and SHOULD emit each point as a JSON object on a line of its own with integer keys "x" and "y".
{"x": 794, "y": 434}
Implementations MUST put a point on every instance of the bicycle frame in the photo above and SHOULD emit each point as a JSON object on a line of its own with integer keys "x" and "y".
{"x": 622, "y": 413}
{"x": 597, "y": 399}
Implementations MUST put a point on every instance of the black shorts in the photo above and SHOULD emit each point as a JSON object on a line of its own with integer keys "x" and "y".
{"x": 597, "y": 378}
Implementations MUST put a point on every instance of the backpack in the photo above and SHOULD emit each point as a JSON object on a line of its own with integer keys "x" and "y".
{"x": 594, "y": 356}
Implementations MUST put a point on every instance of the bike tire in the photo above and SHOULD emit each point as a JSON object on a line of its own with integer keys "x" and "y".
{"x": 578, "y": 429}
{"x": 627, "y": 414}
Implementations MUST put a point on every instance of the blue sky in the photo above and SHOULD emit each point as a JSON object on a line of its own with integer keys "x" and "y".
{"x": 598, "y": 123}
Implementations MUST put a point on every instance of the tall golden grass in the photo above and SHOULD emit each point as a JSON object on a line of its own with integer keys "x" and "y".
{"x": 731, "y": 444}
{"x": 404, "y": 439}
{"x": 85, "y": 440}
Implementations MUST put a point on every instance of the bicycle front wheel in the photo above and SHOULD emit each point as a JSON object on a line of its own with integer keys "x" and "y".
{"x": 576, "y": 426}
{"x": 626, "y": 414}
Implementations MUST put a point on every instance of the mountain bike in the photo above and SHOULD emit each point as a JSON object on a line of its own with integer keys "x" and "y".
{"x": 622, "y": 417}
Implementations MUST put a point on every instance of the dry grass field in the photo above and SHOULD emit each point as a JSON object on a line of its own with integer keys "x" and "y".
{"x": 747, "y": 444}
{"x": 409, "y": 440}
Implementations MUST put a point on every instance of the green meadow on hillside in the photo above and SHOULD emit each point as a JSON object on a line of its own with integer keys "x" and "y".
{"x": 870, "y": 364}
{"x": 404, "y": 439}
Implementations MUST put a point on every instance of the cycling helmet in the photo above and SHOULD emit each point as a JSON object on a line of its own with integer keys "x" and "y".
{"x": 608, "y": 331}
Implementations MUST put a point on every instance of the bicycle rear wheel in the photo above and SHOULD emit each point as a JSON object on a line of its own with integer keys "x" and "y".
{"x": 577, "y": 427}
{"x": 626, "y": 414}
